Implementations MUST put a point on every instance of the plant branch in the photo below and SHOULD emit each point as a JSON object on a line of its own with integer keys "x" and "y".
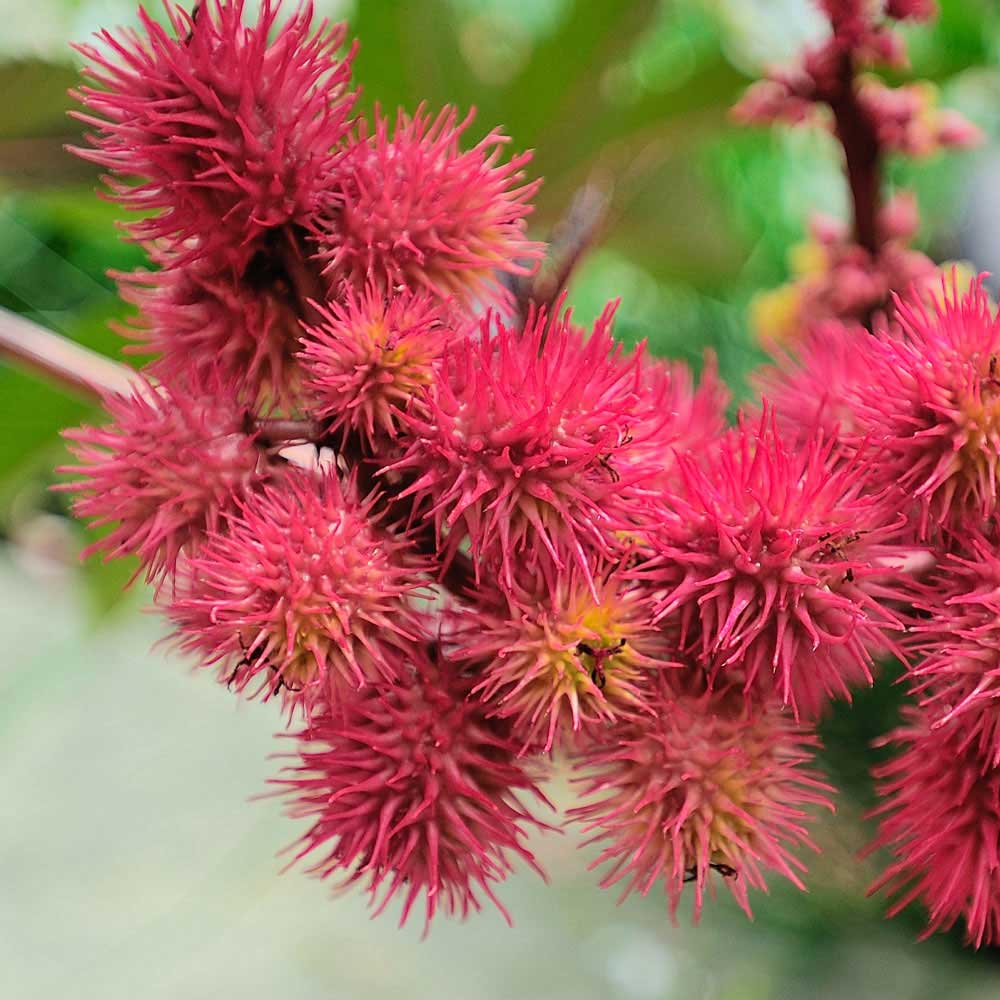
{"x": 572, "y": 237}
{"x": 92, "y": 376}
{"x": 276, "y": 431}
{"x": 83, "y": 372}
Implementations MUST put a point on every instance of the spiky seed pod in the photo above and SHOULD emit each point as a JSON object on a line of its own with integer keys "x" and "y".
{"x": 174, "y": 461}
{"x": 198, "y": 318}
{"x": 958, "y": 642}
{"x": 408, "y": 207}
{"x": 414, "y": 792}
{"x": 767, "y": 559}
{"x": 368, "y": 359}
{"x": 812, "y": 384}
{"x": 703, "y": 784}
{"x": 931, "y": 405}
{"x": 675, "y": 417}
{"x": 940, "y": 818}
{"x": 229, "y": 128}
{"x": 301, "y": 593}
{"x": 518, "y": 450}
{"x": 556, "y": 660}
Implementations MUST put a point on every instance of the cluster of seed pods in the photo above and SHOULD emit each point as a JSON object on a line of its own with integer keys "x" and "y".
{"x": 456, "y": 537}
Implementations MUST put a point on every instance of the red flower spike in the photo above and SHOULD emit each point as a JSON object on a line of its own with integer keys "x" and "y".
{"x": 931, "y": 405}
{"x": 524, "y": 447}
{"x": 367, "y": 362}
{"x": 413, "y": 791}
{"x": 907, "y": 120}
{"x": 167, "y": 471}
{"x": 837, "y": 281}
{"x": 705, "y": 783}
{"x": 556, "y": 661}
{"x": 301, "y": 593}
{"x": 412, "y": 209}
{"x": 940, "y": 818}
{"x": 767, "y": 563}
{"x": 229, "y": 128}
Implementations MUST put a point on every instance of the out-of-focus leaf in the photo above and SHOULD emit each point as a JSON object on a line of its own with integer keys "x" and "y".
{"x": 674, "y": 320}
{"x": 964, "y": 34}
{"x": 381, "y": 27}
{"x": 672, "y": 224}
{"x": 40, "y": 162}
{"x": 564, "y": 71}
{"x": 35, "y": 271}
{"x": 761, "y": 179}
{"x": 34, "y": 99}
{"x": 92, "y": 326}
{"x": 31, "y": 413}
{"x": 849, "y": 731}
{"x": 78, "y": 227}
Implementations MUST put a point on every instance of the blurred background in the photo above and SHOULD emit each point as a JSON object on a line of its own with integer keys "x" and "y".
{"x": 131, "y": 863}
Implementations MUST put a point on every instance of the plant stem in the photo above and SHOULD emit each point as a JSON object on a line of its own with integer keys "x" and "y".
{"x": 78, "y": 369}
{"x": 576, "y": 232}
{"x": 572, "y": 237}
{"x": 857, "y": 135}
{"x": 279, "y": 431}
{"x": 92, "y": 376}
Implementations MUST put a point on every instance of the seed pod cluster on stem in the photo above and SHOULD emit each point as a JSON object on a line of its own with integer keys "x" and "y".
{"x": 514, "y": 541}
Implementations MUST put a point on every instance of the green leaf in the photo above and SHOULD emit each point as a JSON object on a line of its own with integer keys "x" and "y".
{"x": 35, "y": 99}
{"x": 32, "y": 413}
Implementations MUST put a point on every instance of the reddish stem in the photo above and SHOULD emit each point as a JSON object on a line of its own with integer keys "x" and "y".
{"x": 856, "y": 133}
{"x": 277, "y": 431}
{"x": 572, "y": 237}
